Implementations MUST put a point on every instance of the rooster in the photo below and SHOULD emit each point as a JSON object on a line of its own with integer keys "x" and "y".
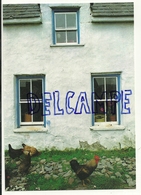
{"x": 33, "y": 151}
{"x": 84, "y": 171}
{"x": 14, "y": 153}
{"x": 25, "y": 164}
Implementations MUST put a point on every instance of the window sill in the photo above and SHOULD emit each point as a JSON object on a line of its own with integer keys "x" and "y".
{"x": 67, "y": 45}
{"x": 31, "y": 129}
{"x": 108, "y": 127}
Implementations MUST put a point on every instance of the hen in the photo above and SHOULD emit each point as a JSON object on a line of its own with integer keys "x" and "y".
{"x": 33, "y": 151}
{"x": 84, "y": 171}
{"x": 25, "y": 164}
{"x": 14, "y": 153}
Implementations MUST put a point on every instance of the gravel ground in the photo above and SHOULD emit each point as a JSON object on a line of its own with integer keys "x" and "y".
{"x": 54, "y": 170}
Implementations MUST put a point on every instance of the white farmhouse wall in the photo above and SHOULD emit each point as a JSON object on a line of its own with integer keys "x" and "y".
{"x": 108, "y": 47}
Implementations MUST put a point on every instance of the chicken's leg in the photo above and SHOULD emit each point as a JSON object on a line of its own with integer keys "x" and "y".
{"x": 88, "y": 180}
{"x": 83, "y": 183}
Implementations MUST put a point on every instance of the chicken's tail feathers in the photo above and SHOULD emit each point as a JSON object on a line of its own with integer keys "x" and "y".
{"x": 74, "y": 164}
{"x": 9, "y": 145}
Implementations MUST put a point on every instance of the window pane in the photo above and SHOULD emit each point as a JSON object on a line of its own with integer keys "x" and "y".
{"x": 71, "y": 20}
{"x": 25, "y": 113}
{"x": 61, "y": 37}
{"x": 60, "y": 21}
{"x": 37, "y": 88}
{"x": 110, "y": 86}
{"x": 111, "y": 111}
{"x": 99, "y": 111}
{"x": 71, "y": 36}
{"x": 99, "y": 88}
{"x": 24, "y": 88}
{"x": 38, "y": 113}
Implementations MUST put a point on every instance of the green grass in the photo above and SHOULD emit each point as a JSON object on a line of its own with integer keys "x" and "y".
{"x": 39, "y": 182}
{"x": 57, "y": 155}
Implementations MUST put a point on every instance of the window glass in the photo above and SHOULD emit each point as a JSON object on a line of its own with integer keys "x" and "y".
{"x": 111, "y": 110}
{"x": 24, "y": 88}
{"x": 30, "y": 101}
{"x": 38, "y": 116}
{"x": 66, "y": 27}
{"x": 37, "y": 88}
{"x": 25, "y": 113}
{"x": 105, "y": 105}
{"x": 71, "y": 20}
{"x": 110, "y": 87}
{"x": 99, "y": 88}
{"x": 60, "y": 21}
{"x": 99, "y": 111}
{"x": 61, "y": 37}
{"x": 71, "y": 36}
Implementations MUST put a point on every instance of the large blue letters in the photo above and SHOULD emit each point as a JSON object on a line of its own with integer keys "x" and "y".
{"x": 81, "y": 104}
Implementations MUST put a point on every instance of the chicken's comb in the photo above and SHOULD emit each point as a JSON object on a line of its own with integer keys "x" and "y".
{"x": 96, "y": 157}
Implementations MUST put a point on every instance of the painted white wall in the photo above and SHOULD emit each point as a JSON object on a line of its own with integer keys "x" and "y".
{"x": 26, "y": 50}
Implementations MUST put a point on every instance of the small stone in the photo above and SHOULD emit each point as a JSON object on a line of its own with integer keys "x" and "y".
{"x": 18, "y": 162}
{"x": 100, "y": 166}
{"x": 55, "y": 176}
{"x": 130, "y": 167}
{"x": 117, "y": 159}
{"x": 48, "y": 169}
{"x": 98, "y": 173}
{"x": 108, "y": 164}
{"x": 71, "y": 180}
{"x": 106, "y": 175}
{"x": 7, "y": 188}
{"x": 103, "y": 171}
{"x": 131, "y": 183}
{"x": 59, "y": 166}
{"x": 132, "y": 173}
{"x": 34, "y": 172}
{"x": 113, "y": 177}
{"x": 43, "y": 161}
{"x": 67, "y": 174}
{"x": 47, "y": 176}
{"x": 124, "y": 164}
{"x": 118, "y": 174}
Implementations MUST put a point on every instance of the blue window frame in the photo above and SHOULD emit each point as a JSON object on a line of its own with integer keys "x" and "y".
{"x": 29, "y": 101}
{"x": 66, "y": 26}
{"x": 105, "y": 104}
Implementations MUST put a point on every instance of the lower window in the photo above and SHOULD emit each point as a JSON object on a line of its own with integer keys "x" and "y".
{"x": 105, "y": 105}
{"x": 29, "y": 102}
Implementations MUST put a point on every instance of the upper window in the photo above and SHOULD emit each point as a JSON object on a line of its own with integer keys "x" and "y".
{"x": 105, "y": 103}
{"x": 29, "y": 103}
{"x": 66, "y": 27}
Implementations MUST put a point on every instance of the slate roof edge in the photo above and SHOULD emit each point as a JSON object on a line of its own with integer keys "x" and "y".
{"x": 65, "y": 7}
{"x": 36, "y": 20}
{"x": 112, "y": 19}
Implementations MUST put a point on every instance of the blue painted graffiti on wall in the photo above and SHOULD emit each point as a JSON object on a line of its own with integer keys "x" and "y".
{"x": 82, "y": 104}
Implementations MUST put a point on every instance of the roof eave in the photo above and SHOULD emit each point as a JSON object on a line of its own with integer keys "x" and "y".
{"x": 36, "y": 20}
{"x": 112, "y": 19}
